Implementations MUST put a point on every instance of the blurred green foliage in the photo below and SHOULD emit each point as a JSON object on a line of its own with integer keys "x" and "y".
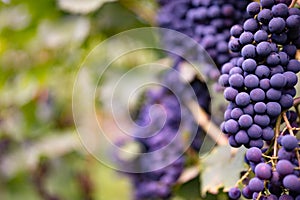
{"x": 42, "y": 44}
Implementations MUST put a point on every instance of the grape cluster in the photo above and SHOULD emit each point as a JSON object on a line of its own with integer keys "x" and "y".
{"x": 260, "y": 82}
{"x": 276, "y": 170}
{"x": 163, "y": 122}
{"x": 206, "y": 21}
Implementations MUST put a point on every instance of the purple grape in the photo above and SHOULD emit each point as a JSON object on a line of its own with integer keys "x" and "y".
{"x": 236, "y": 31}
{"x": 278, "y": 81}
{"x": 241, "y": 137}
{"x": 260, "y": 107}
{"x": 236, "y": 80}
{"x": 260, "y": 36}
{"x": 249, "y": 65}
{"x": 276, "y": 25}
{"x": 268, "y": 133}
{"x": 267, "y": 3}
{"x": 263, "y": 49}
{"x": 292, "y": 182}
{"x": 251, "y": 81}
{"x": 230, "y": 93}
{"x": 262, "y": 120}
{"x": 280, "y": 10}
{"x": 264, "y": 16}
{"x": 273, "y": 109}
{"x": 273, "y": 94}
{"x": 256, "y": 185}
{"x": 246, "y": 38}
{"x": 254, "y": 154}
{"x": 254, "y": 131}
{"x": 249, "y": 51}
{"x": 234, "y": 193}
{"x": 231, "y": 126}
{"x": 294, "y": 66}
{"x": 242, "y": 99}
{"x": 291, "y": 78}
{"x": 284, "y": 167}
{"x": 257, "y": 95}
{"x": 263, "y": 171}
{"x": 265, "y": 84}
{"x": 289, "y": 142}
{"x": 245, "y": 121}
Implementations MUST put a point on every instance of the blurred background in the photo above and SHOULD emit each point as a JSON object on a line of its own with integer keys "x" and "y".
{"x": 42, "y": 44}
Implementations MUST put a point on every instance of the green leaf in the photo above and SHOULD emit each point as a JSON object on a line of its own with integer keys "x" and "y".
{"x": 221, "y": 169}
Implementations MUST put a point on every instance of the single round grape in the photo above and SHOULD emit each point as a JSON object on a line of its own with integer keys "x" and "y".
{"x": 254, "y": 154}
{"x": 230, "y": 93}
{"x": 236, "y": 113}
{"x": 257, "y": 95}
{"x": 226, "y": 68}
{"x": 267, "y": 3}
{"x": 246, "y": 38}
{"x": 273, "y": 109}
{"x": 256, "y": 185}
{"x": 290, "y": 50}
{"x": 249, "y": 51}
{"x": 242, "y": 99}
{"x": 286, "y": 101}
{"x": 291, "y": 91}
{"x": 284, "y": 155}
{"x": 293, "y": 65}
{"x": 241, "y": 137}
{"x": 260, "y": 107}
{"x": 232, "y": 142}
{"x": 251, "y": 25}
{"x": 284, "y": 167}
{"x": 263, "y": 49}
{"x": 262, "y": 120}
{"x": 236, "y": 31}
{"x": 254, "y": 131}
{"x": 273, "y": 94}
{"x": 264, "y": 16}
{"x": 235, "y": 70}
{"x": 253, "y": 8}
{"x": 236, "y": 80}
{"x": 273, "y": 59}
{"x": 227, "y": 114}
{"x": 231, "y": 126}
{"x": 260, "y": 36}
{"x": 245, "y": 121}
{"x": 267, "y": 133}
{"x": 262, "y": 71}
{"x": 247, "y": 193}
{"x": 276, "y": 25}
{"x": 284, "y": 58}
{"x": 234, "y": 45}
{"x": 278, "y": 81}
{"x": 279, "y": 38}
{"x": 249, "y": 65}
{"x": 249, "y": 110}
{"x": 292, "y": 182}
{"x": 251, "y": 81}
{"x": 263, "y": 171}
{"x": 224, "y": 80}
{"x": 276, "y": 70}
{"x": 264, "y": 84}
{"x": 234, "y": 193}
{"x": 280, "y": 10}
{"x": 291, "y": 78}
{"x": 289, "y": 142}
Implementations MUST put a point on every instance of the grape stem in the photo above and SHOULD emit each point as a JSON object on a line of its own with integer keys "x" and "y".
{"x": 243, "y": 177}
{"x": 293, "y": 4}
{"x": 277, "y": 130}
{"x": 203, "y": 120}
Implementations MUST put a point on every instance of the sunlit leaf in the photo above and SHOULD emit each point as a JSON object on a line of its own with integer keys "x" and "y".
{"x": 221, "y": 169}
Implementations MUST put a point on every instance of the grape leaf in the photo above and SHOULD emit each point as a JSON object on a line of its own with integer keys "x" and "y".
{"x": 221, "y": 169}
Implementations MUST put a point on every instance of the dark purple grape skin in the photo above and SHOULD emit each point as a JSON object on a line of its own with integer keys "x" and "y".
{"x": 234, "y": 193}
{"x": 257, "y": 95}
{"x": 273, "y": 109}
{"x": 277, "y": 25}
{"x": 246, "y": 38}
{"x": 251, "y": 81}
{"x": 280, "y": 10}
{"x": 254, "y": 131}
{"x": 273, "y": 94}
{"x": 241, "y": 137}
{"x": 236, "y": 113}
{"x": 253, "y": 8}
{"x": 247, "y": 193}
{"x": 230, "y": 93}
{"x": 264, "y": 16}
{"x": 268, "y": 133}
{"x": 291, "y": 78}
{"x": 292, "y": 182}
{"x": 263, "y": 49}
{"x": 236, "y": 30}
{"x": 284, "y": 167}
{"x": 236, "y": 80}
{"x": 284, "y": 155}
{"x": 242, "y": 99}
{"x": 256, "y": 185}
{"x": 263, "y": 171}
{"x": 231, "y": 126}
{"x": 251, "y": 25}
{"x": 293, "y": 65}
{"x": 260, "y": 36}
{"x": 267, "y": 3}
{"x": 260, "y": 107}
{"x": 262, "y": 120}
{"x": 278, "y": 81}
{"x": 293, "y": 21}
{"x": 289, "y": 142}
{"x": 249, "y": 51}
{"x": 249, "y": 65}
{"x": 245, "y": 121}
{"x": 254, "y": 154}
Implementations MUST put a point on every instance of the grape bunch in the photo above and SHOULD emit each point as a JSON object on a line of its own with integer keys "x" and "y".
{"x": 164, "y": 123}
{"x": 206, "y": 21}
{"x": 276, "y": 170}
{"x": 259, "y": 83}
